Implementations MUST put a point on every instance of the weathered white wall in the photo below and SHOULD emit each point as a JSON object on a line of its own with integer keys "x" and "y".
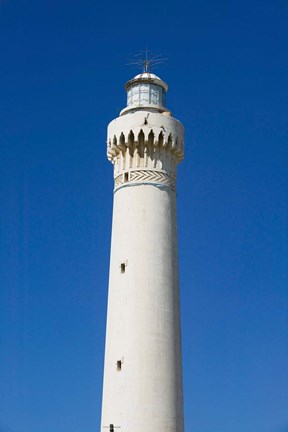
{"x": 143, "y": 325}
{"x": 143, "y": 318}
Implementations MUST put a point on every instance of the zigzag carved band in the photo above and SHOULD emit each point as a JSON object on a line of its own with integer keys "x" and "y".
{"x": 145, "y": 176}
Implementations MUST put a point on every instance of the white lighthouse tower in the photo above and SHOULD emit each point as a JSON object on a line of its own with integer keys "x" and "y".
{"x": 142, "y": 389}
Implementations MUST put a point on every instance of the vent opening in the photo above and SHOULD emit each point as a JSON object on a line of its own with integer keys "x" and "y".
{"x": 123, "y": 267}
{"x": 119, "y": 365}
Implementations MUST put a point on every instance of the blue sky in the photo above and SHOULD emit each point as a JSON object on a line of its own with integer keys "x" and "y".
{"x": 63, "y": 67}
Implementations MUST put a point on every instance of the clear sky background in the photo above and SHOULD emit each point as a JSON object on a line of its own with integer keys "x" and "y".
{"x": 63, "y": 67}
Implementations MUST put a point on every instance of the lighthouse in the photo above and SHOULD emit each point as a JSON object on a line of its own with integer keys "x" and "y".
{"x": 142, "y": 386}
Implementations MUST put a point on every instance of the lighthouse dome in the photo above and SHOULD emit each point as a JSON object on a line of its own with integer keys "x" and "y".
{"x": 146, "y": 75}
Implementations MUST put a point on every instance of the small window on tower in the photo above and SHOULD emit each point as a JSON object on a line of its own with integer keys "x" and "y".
{"x": 123, "y": 267}
{"x": 126, "y": 177}
{"x": 119, "y": 365}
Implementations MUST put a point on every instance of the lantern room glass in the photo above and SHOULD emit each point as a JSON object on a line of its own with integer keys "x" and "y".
{"x": 143, "y": 94}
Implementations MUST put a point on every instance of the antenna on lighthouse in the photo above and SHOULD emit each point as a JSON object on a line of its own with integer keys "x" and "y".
{"x": 146, "y": 60}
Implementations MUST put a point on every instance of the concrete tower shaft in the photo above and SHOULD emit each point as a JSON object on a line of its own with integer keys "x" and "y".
{"x": 142, "y": 389}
